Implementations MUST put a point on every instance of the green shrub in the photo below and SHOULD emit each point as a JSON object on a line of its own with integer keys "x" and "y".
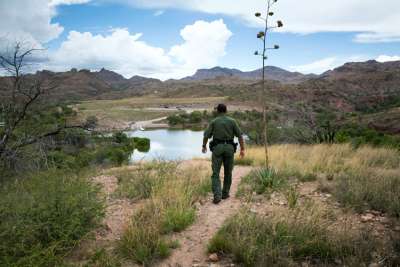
{"x": 43, "y": 216}
{"x": 142, "y": 144}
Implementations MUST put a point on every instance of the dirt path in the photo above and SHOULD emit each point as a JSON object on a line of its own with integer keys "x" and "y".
{"x": 193, "y": 241}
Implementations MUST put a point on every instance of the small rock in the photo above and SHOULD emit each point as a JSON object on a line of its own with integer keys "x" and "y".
{"x": 197, "y": 205}
{"x": 397, "y": 228}
{"x": 374, "y": 264}
{"x": 338, "y": 261}
{"x": 384, "y": 220}
{"x": 213, "y": 257}
{"x": 196, "y": 260}
{"x": 305, "y": 264}
{"x": 375, "y": 212}
{"x": 367, "y": 217}
{"x": 253, "y": 210}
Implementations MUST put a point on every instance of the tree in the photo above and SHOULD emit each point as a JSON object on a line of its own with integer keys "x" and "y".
{"x": 262, "y": 35}
{"x": 22, "y": 107}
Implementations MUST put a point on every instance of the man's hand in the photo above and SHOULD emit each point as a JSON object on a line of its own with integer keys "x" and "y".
{"x": 242, "y": 153}
{"x": 204, "y": 150}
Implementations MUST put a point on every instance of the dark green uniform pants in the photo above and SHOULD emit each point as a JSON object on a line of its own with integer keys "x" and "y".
{"x": 222, "y": 154}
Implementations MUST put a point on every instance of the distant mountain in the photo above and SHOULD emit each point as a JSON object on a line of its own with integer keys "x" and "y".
{"x": 271, "y": 73}
{"x": 110, "y": 77}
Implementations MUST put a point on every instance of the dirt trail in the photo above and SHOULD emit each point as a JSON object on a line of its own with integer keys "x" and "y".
{"x": 193, "y": 241}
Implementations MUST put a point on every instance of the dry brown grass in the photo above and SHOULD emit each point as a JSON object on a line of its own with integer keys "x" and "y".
{"x": 362, "y": 178}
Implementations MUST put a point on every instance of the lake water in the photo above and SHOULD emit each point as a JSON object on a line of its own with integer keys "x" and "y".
{"x": 169, "y": 144}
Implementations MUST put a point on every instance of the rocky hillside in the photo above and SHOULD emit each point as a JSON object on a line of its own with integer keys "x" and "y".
{"x": 365, "y": 87}
{"x": 271, "y": 73}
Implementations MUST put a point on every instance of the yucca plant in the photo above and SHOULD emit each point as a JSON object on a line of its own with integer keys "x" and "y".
{"x": 262, "y": 35}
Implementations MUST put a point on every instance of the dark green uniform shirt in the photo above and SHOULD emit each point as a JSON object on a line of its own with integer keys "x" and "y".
{"x": 223, "y": 128}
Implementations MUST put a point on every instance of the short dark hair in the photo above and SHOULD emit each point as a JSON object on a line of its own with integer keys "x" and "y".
{"x": 221, "y": 108}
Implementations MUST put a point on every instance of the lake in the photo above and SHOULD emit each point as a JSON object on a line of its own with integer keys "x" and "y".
{"x": 168, "y": 144}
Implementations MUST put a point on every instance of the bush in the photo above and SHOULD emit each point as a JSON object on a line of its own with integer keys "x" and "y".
{"x": 142, "y": 144}
{"x": 43, "y": 216}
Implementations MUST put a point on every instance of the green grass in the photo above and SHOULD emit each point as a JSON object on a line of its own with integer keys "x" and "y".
{"x": 169, "y": 207}
{"x": 139, "y": 183}
{"x": 290, "y": 238}
{"x": 262, "y": 181}
{"x": 42, "y": 217}
{"x": 366, "y": 190}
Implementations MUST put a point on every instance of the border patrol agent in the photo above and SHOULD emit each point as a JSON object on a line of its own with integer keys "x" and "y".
{"x": 222, "y": 129}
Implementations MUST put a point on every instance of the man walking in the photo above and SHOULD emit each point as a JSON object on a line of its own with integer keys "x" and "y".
{"x": 222, "y": 129}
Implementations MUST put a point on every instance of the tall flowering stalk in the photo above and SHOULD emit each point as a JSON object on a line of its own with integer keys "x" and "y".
{"x": 262, "y": 35}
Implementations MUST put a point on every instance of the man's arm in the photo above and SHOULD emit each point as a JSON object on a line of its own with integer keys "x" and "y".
{"x": 207, "y": 135}
{"x": 204, "y": 148}
{"x": 238, "y": 133}
{"x": 241, "y": 142}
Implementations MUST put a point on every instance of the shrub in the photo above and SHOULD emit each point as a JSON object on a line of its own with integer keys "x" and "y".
{"x": 43, "y": 216}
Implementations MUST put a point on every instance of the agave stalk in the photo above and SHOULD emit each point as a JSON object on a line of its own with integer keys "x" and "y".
{"x": 262, "y": 35}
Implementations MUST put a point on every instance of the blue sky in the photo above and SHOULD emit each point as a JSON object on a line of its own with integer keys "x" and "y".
{"x": 143, "y": 37}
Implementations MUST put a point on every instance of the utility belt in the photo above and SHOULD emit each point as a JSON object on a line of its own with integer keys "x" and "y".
{"x": 215, "y": 142}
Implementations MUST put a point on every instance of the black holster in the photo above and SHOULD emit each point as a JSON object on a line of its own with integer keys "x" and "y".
{"x": 213, "y": 143}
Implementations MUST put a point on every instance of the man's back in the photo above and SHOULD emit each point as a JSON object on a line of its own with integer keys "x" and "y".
{"x": 223, "y": 128}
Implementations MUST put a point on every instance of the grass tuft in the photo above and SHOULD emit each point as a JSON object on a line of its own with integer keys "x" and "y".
{"x": 290, "y": 237}
{"x": 262, "y": 181}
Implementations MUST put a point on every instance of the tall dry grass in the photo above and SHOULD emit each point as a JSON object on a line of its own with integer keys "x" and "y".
{"x": 362, "y": 178}
{"x": 293, "y": 237}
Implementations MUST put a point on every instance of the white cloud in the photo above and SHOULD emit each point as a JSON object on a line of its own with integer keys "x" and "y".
{"x": 204, "y": 43}
{"x": 316, "y": 67}
{"x": 325, "y": 64}
{"x": 374, "y": 21}
{"x": 67, "y": 2}
{"x": 29, "y": 21}
{"x": 158, "y": 13}
{"x": 385, "y": 58}
{"x": 119, "y": 51}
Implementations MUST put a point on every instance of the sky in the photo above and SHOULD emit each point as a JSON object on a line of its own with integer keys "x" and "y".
{"x": 173, "y": 38}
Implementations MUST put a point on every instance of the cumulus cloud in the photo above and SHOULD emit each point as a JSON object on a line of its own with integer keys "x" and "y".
{"x": 325, "y": 64}
{"x": 385, "y": 58}
{"x": 29, "y": 21}
{"x": 374, "y": 22}
{"x": 203, "y": 44}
